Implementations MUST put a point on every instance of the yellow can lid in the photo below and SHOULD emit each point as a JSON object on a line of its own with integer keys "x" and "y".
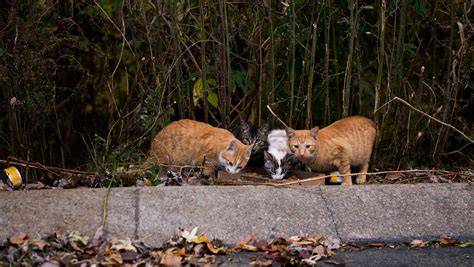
{"x": 14, "y": 176}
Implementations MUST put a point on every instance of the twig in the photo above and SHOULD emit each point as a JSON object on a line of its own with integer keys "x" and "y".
{"x": 365, "y": 173}
{"x": 273, "y": 113}
{"x": 37, "y": 165}
{"x": 431, "y": 117}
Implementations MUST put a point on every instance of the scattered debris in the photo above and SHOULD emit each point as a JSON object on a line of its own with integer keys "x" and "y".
{"x": 185, "y": 247}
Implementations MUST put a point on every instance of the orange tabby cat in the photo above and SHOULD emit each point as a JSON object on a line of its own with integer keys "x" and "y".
{"x": 346, "y": 142}
{"x": 188, "y": 142}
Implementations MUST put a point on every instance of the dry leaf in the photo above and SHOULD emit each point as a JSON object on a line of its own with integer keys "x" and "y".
{"x": 190, "y": 236}
{"x": 417, "y": 243}
{"x": 123, "y": 245}
{"x": 40, "y": 244}
{"x": 319, "y": 250}
{"x": 446, "y": 241}
{"x": 262, "y": 245}
{"x": 331, "y": 243}
{"x": 169, "y": 259}
{"x": 77, "y": 237}
{"x": 336, "y": 263}
{"x": 17, "y": 239}
{"x": 376, "y": 244}
{"x": 261, "y": 262}
{"x": 329, "y": 253}
{"x": 147, "y": 182}
{"x": 245, "y": 241}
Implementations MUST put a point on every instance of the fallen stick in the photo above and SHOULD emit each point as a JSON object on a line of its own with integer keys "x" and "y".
{"x": 351, "y": 174}
{"x": 37, "y": 165}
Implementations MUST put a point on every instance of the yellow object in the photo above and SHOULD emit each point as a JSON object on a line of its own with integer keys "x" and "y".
{"x": 14, "y": 176}
{"x": 335, "y": 177}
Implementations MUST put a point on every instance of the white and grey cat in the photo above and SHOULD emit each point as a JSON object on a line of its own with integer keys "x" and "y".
{"x": 279, "y": 159}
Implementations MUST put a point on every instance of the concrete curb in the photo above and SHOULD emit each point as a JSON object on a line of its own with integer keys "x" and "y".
{"x": 359, "y": 213}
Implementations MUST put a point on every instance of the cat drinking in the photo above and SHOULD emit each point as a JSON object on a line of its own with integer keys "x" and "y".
{"x": 190, "y": 143}
{"x": 345, "y": 143}
{"x": 279, "y": 159}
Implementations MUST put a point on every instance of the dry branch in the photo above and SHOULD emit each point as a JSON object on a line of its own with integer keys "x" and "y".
{"x": 427, "y": 115}
{"x": 37, "y": 165}
{"x": 366, "y": 173}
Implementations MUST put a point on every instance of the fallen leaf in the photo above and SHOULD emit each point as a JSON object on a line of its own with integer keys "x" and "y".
{"x": 417, "y": 243}
{"x": 170, "y": 259}
{"x": 77, "y": 237}
{"x": 466, "y": 244}
{"x": 147, "y": 182}
{"x": 17, "y": 239}
{"x": 446, "y": 241}
{"x": 331, "y": 243}
{"x": 337, "y": 263}
{"x": 312, "y": 260}
{"x": 329, "y": 253}
{"x": 319, "y": 250}
{"x": 40, "y": 244}
{"x": 112, "y": 259}
{"x": 376, "y": 244}
{"x": 262, "y": 262}
{"x": 262, "y": 245}
{"x": 190, "y": 236}
{"x": 243, "y": 244}
{"x": 129, "y": 255}
{"x": 245, "y": 241}
{"x": 125, "y": 244}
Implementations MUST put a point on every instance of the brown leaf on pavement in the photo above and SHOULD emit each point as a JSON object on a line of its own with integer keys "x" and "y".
{"x": 376, "y": 244}
{"x": 18, "y": 239}
{"x": 169, "y": 259}
{"x": 417, "y": 243}
{"x": 262, "y": 245}
{"x": 447, "y": 241}
{"x": 261, "y": 263}
{"x": 40, "y": 244}
{"x": 319, "y": 250}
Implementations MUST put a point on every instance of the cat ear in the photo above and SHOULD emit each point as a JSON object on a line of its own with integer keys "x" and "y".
{"x": 267, "y": 156}
{"x": 265, "y": 128}
{"x": 314, "y": 132}
{"x": 289, "y": 132}
{"x": 232, "y": 146}
{"x": 244, "y": 125}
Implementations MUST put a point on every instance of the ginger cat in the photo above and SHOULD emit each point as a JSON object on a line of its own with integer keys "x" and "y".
{"x": 188, "y": 142}
{"x": 345, "y": 143}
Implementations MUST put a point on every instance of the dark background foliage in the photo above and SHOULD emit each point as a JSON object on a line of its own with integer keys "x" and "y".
{"x": 89, "y": 83}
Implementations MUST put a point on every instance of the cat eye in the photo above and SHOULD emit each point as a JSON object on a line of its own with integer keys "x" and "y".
{"x": 295, "y": 146}
{"x": 308, "y": 146}
{"x": 259, "y": 142}
{"x": 230, "y": 163}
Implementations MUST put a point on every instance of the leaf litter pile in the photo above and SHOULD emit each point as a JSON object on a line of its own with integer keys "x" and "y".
{"x": 184, "y": 248}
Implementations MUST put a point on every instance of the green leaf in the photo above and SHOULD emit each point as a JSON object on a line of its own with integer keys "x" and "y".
{"x": 197, "y": 91}
{"x": 212, "y": 99}
{"x": 212, "y": 82}
{"x": 419, "y": 7}
{"x": 410, "y": 49}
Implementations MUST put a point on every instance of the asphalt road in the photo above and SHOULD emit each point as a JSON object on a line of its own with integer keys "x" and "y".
{"x": 447, "y": 256}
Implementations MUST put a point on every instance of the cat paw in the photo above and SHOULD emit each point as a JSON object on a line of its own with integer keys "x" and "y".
{"x": 346, "y": 183}
{"x": 360, "y": 181}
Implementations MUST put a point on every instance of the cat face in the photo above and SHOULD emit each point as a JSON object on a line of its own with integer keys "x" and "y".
{"x": 235, "y": 156}
{"x": 278, "y": 168}
{"x": 302, "y": 142}
{"x": 251, "y": 134}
